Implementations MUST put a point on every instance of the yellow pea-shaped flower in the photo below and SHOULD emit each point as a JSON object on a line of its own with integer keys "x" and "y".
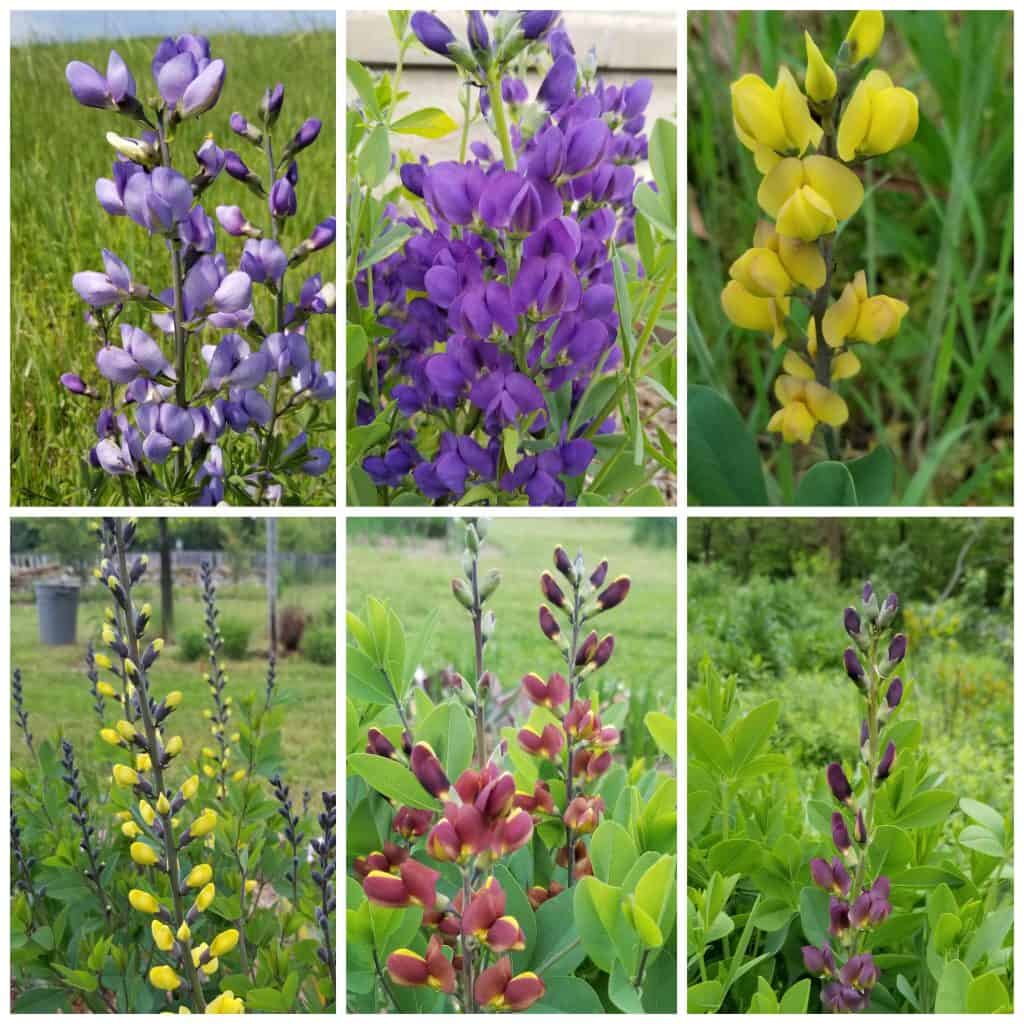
{"x": 190, "y": 786}
{"x": 103, "y": 662}
{"x": 820, "y": 80}
{"x": 206, "y": 822}
{"x": 844, "y": 366}
{"x": 111, "y": 736}
{"x": 809, "y": 195}
{"x": 879, "y": 318}
{"x": 106, "y": 689}
{"x": 147, "y": 812}
{"x": 879, "y": 118}
{"x": 164, "y": 978}
{"x": 143, "y": 854}
{"x": 174, "y": 746}
{"x": 205, "y": 897}
{"x": 199, "y": 876}
{"x": 173, "y": 699}
{"x": 162, "y": 936}
{"x": 130, "y": 829}
{"x": 226, "y": 1002}
{"x": 753, "y": 313}
{"x": 805, "y": 403}
{"x": 802, "y": 260}
{"x": 143, "y": 901}
{"x": 224, "y": 942}
{"x": 761, "y": 272}
{"x": 865, "y": 35}
{"x": 143, "y": 762}
{"x": 184, "y": 932}
{"x": 125, "y": 776}
{"x": 771, "y": 121}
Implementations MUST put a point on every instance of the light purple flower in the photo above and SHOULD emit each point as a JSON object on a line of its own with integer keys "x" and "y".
{"x": 264, "y": 261}
{"x": 92, "y": 89}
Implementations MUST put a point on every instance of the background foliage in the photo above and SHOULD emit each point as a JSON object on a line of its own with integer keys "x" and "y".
{"x": 937, "y": 228}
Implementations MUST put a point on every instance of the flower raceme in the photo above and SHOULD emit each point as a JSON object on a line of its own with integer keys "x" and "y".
{"x": 807, "y": 147}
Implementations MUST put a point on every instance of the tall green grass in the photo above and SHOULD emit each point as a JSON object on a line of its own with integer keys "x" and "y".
{"x": 936, "y": 229}
{"x": 57, "y": 227}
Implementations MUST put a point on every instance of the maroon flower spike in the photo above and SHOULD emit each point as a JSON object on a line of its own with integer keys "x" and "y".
{"x": 581, "y": 722}
{"x": 614, "y": 594}
{"x": 551, "y": 694}
{"x": 598, "y": 575}
{"x": 495, "y": 797}
{"x": 591, "y": 763}
{"x": 537, "y": 895}
{"x": 552, "y": 592}
{"x": 379, "y": 744}
{"x": 459, "y": 835}
{"x": 838, "y": 783}
{"x": 409, "y": 822}
{"x": 547, "y": 743}
{"x": 833, "y": 878}
{"x": 580, "y": 859}
{"x": 497, "y": 989}
{"x": 604, "y": 651}
{"x": 586, "y": 649}
{"x": 434, "y": 970}
{"x": 839, "y": 917}
{"x": 427, "y": 769}
{"x": 485, "y": 920}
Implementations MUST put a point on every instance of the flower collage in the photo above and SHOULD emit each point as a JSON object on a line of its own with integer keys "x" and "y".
{"x": 483, "y": 467}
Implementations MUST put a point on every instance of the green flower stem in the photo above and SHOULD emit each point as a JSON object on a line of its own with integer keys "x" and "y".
{"x": 478, "y": 649}
{"x": 571, "y": 671}
{"x": 464, "y": 138}
{"x": 500, "y": 122}
{"x": 170, "y": 846}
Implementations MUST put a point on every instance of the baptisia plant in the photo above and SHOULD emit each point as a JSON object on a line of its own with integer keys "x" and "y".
{"x": 218, "y": 398}
{"x": 492, "y": 338}
{"x": 810, "y": 145}
{"x": 859, "y": 898}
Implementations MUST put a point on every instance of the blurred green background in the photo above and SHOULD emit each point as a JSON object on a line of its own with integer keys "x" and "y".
{"x": 409, "y": 563}
{"x": 55, "y": 685}
{"x": 935, "y": 229}
{"x": 765, "y": 606}
{"x": 58, "y": 228}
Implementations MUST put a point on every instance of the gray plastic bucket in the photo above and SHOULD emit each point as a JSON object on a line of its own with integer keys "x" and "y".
{"x": 57, "y": 605}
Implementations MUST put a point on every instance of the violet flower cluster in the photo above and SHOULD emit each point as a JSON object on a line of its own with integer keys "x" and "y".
{"x": 501, "y": 306}
{"x": 857, "y": 902}
{"x": 234, "y": 420}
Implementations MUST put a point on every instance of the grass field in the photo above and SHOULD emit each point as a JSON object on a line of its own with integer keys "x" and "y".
{"x": 57, "y": 692}
{"x": 58, "y": 228}
{"x": 414, "y": 575}
{"x": 935, "y": 229}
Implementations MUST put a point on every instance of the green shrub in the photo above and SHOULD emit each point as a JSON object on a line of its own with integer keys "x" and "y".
{"x": 319, "y": 646}
{"x": 191, "y": 644}
{"x": 236, "y": 638}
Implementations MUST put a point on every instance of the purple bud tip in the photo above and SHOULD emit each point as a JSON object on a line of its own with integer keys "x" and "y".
{"x": 885, "y": 765}
{"x": 840, "y": 834}
{"x": 860, "y": 831}
{"x": 894, "y": 694}
{"x": 74, "y": 383}
{"x": 892, "y": 603}
{"x": 898, "y": 648}
{"x": 851, "y": 620}
{"x": 866, "y": 592}
{"x": 854, "y": 669}
{"x": 838, "y": 782}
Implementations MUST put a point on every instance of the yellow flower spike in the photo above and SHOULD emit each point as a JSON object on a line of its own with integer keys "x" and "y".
{"x": 206, "y": 896}
{"x": 130, "y": 829}
{"x": 125, "y": 776}
{"x": 147, "y": 812}
{"x": 143, "y": 854}
{"x": 174, "y": 746}
{"x": 224, "y": 942}
{"x": 106, "y": 689}
{"x": 820, "y": 79}
{"x": 184, "y": 932}
{"x": 865, "y": 35}
{"x": 143, "y": 902}
{"x": 102, "y": 660}
{"x": 796, "y": 366}
{"x": 143, "y": 762}
{"x": 844, "y": 366}
{"x": 162, "y": 936}
{"x": 111, "y": 736}
{"x": 189, "y": 787}
{"x": 164, "y": 978}
{"x": 126, "y": 729}
{"x": 761, "y": 273}
{"x": 879, "y": 118}
{"x": 173, "y": 699}
{"x": 199, "y": 876}
{"x": 163, "y": 805}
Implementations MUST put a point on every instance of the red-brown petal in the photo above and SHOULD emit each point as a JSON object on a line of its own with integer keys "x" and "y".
{"x": 407, "y": 968}
{"x": 385, "y": 890}
{"x": 490, "y": 986}
{"x": 523, "y": 991}
{"x": 421, "y": 882}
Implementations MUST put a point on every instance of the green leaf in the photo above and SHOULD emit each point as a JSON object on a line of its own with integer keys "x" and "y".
{"x": 392, "y": 780}
{"x": 374, "y": 160}
{"x": 814, "y": 915}
{"x": 724, "y": 467}
{"x": 558, "y": 948}
{"x": 662, "y": 156}
{"x": 621, "y": 991}
{"x": 650, "y": 206}
{"x": 826, "y": 485}
{"x": 596, "y": 907}
{"x": 428, "y": 123}
{"x": 268, "y": 1000}
{"x": 384, "y": 245}
{"x": 951, "y": 996}
{"x": 748, "y": 735}
{"x": 988, "y": 939}
{"x": 567, "y": 995}
{"x": 983, "y": 815}
{"x": 41, "y": 1000}
{"x": 355, "y": 345}
{"x": 795, "y": 998}
{"x": 612, "y": 852}
{"x": 873, "y": 477}
{"x": 656, "y": 893}
{"x": 974, "y": 837}
{"x": 83, "y": 980}
{"x": 364, "y": 679}
{"x": 925, "y": 809}
{"x": 362, "y": 82}
{"x": 663, "y": 729}
{"x": 988, "y": 994}
{"x": 706, "y": 743}
{"x": 705, "y": 997}
{"x": 449, "y": 731}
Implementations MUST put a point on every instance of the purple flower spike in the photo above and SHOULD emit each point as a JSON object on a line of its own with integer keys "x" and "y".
{"x": 432, "y": 32}
{"x": 264, "y": 261}
{"x": 559, "y": 83}
{"x": 894, "y": 694}
{"x": 886, "y": 763}
{"x": 505, "y": 397}
{"x": 854, "y": 669}
{"x": 839, "y": 998}
{"x": 897, "y": 649}
{"x": 838, "y": 783}
{"x": 840, "y": 835}
{"x": 586, "y": 145}
{"x": 635, "y": 98}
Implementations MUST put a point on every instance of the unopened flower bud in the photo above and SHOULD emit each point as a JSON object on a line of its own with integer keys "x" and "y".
{"x": 564, "y": 565}
{"x": 549, "y": 627}
{"x": 897, "y": 649}
{"x": 224, "y": 943}
{"x": 890, "y": 606}
{"x": 143, "y": 902}
{"x": 198, "y": 877}
{"x": 854, "y": 669}
{"x": 428, "y": 771}
{"x": 205, "y": 897}
{"x": 614, "y": 594}
{"x": 162, "y": 936}
{"x": 143, "y": 854}
{"x": 840, "y": 834}
{"x": 164, "y": 978}
{"x": 490, "y": 584}
{"x": 894, "y": 694}
{"x": 552, "y": 592}
{"x": 460, "y": 588}
{"x": 125, "y": 776}
{"x": 886, "y": 763}
{"x": 860, "y": 831}
{"x": 838, "y": 783}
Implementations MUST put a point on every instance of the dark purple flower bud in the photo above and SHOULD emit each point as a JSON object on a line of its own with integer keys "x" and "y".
{"x": 553, "y": 592}
{"x": 432, "y": 32}
{"x": 535, "y": 23}
{"x": 819, "y": 961}
{"x": 867, "y": 592}
{"x": 74, "y": 384}
{"x": 864, "y": 733}
{"x": 305, "y": 136}
{"x": 897, "y": 649}
{"x": 860, "y": 831}
{"x": 894, "y": 694}
{"x": 839, "y": 917}
{"x": 854, "y": 669}
{"x": 890, "y": 606}
{"x": 427, "y": 769}
{"x": 412, "y": 178}
{"x": 833, "y": 878}
{"x": 597, "y": 577}
{"x": 476, "y": 30}
{"x": 614, "y": 594}
{"x": 840, "y": 835}
{"x": 838, "y": 782}
{"x": 236, "y": 166}
{"x": 563, "y": 563}
{"x": 885, "y": 765}
{"x": 559, "y": 84}
{"x": 379, "y": 744}
{"x": 282, "y": 199}
{"x": 851, "y": 621}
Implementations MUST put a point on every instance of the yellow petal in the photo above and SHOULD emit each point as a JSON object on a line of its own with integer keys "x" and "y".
{"x": 789, "y": 389}
{"x": 746, "y": 310}
{"x": 797, "y": 423}
{"x": 865, "y": 35}
{"x": 845, "y": 365}
{"x": 765, "y": 158}
{"x": 820, "y": 80}
{"x": 779, "y": 184}
{"x": 855, "y": 122}
{"x": 893, "y": 121}
{"x": 757, "y": 113}
{"x": 838, "y": 185}
{"x": 803, "y": 262}
{"x": 796, "y": 366}
{"x": 806, "y": 215}
{"x": 761, "y": 272}
{"x": 841, "y": 318}
{"x": 860, "y": 285}
{"x": 800, "y": 128}
{"x": 775, "y": 423}
{"x": 826, "y": 405}
{"x": 879, "y": 318}
{"x": 765, "y": 236}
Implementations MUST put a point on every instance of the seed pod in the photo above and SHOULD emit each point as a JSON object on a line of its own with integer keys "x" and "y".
{"x": 460, "y": 588}
{"x": 490, "y": 584}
